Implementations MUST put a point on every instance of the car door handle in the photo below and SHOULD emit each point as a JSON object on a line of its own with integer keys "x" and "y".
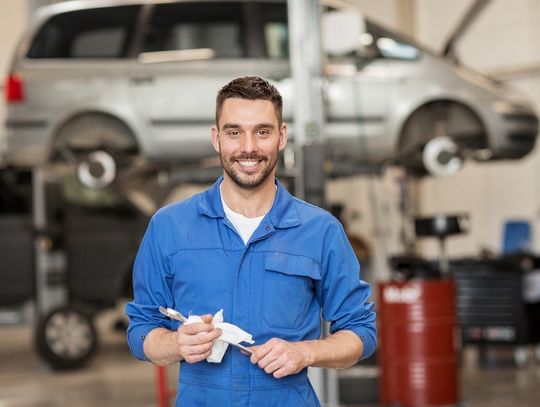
{"x": 142, "y": 79}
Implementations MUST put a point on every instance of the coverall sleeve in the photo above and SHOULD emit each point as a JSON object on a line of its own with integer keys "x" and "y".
{"x": 342, "y": 293}
{"x": 152, "y": 287}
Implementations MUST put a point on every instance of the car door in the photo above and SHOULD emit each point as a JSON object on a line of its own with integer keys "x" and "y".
{"x": 73, "y": 61}
{"x": 370, "y": 94}
{"x": 359, "y": 98}
{"x": 189, "y": 51}
{"x": 357, "y": 111}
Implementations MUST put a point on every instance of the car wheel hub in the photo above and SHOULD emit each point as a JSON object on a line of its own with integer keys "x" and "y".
{"x": 68, "y": 334}
{"x": 98, "y": 170}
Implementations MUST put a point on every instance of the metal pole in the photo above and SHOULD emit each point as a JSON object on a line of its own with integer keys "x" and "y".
{"x": 41, "y": 243}
{"x": 307, "y": 75}
{"x": 50, "y": 264}
{"x": 306, "y": 67}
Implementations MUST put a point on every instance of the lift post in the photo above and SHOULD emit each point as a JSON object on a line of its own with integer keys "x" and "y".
{"x": 307, "y": 74}
{"x": 50, "y": 265}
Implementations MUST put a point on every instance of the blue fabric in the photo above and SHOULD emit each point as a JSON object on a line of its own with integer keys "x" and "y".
{"x": 296, "y": 263}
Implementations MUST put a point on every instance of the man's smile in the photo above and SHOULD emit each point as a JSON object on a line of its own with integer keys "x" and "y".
{"x": 249, "y": 165}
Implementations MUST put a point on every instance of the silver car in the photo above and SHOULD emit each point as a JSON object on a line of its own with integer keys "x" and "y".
{"x": 139, "y": 78}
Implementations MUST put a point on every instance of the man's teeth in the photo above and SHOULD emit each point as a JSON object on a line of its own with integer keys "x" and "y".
{"x": 248, "y": 163}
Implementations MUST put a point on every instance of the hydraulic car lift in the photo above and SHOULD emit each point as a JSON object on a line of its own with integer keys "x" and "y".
{"x": 64, "y": 262}
{"x": 39, "y": 284}
{"x": 35, "y": 272}
{"x": 49, "y": 264}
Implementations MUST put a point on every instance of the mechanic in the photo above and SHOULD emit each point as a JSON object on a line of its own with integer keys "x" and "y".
{"x": 272, "y": 262}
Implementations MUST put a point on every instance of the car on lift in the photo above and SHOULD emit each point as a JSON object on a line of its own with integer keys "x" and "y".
{"x": 103, "y": 83}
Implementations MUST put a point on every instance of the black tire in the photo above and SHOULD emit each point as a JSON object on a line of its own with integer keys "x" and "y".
{"x": 66, "y": 337}
{"x": 440, "y": 119}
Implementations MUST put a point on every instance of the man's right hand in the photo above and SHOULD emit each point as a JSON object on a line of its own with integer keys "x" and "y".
{"x": 195, "y": 340}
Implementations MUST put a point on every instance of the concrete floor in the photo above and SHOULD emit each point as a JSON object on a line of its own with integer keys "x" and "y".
{"x": 114, "y": 379}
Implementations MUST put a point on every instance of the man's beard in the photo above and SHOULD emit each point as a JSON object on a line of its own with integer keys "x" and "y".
{"x": 249, "y": 181}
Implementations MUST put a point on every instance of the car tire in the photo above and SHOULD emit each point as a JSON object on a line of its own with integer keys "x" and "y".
{"x": 439, "y": 120}
{"x": 66, "y": 337}
{"x": 97, "y": 146}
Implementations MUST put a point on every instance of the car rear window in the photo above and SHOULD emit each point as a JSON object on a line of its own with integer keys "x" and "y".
{"x": 93, "y": 33}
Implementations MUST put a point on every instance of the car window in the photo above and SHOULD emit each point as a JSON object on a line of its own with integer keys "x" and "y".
{"x": 216, "y": 27}
{"x": 276, "y": 39}
{"x": 99, "y": 43}
{"x": 275, "y": 30}
{"x": 218, "y": 30}
{"x": 389, "y": 44}
{"x": 391, "y": 48}
{"x": 93, "y": 33}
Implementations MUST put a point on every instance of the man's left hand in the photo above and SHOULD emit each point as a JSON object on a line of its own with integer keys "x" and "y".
{"x": 280, "y": 358}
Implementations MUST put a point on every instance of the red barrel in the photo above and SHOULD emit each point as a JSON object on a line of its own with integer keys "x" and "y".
{"x": 418, "y": 352}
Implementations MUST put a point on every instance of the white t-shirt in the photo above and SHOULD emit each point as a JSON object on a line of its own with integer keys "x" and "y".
{"x": 244, "y": 226}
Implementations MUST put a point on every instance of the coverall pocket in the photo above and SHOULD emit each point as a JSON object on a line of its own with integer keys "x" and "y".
{"x": 288, "y": 289}
{"x": 188, "y": 395}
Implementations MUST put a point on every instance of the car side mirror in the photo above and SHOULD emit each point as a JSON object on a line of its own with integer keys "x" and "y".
{"x": 342, "y": 32}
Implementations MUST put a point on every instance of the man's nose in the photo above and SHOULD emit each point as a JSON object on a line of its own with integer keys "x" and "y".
{"x": 250, "y": 143}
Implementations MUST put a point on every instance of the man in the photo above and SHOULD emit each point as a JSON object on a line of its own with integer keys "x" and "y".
{"x": 270, "y": 261}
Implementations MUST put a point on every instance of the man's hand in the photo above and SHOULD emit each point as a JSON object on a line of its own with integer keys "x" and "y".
{"x": 280, "y": 358}
{"x": 195, "y": 340}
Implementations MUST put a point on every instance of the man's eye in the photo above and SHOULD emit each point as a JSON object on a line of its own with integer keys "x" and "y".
{"x": 233, "y": 133}
{"x": 263, "y": 132}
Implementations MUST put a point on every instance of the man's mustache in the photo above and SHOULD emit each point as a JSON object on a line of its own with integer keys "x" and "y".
{"x": 254, "y": 157}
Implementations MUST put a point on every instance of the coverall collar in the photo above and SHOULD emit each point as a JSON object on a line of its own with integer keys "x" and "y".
{"x": 283, "y": 213}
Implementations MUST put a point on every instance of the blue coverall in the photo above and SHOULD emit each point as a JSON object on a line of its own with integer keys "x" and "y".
{"x": 297, "y": 262}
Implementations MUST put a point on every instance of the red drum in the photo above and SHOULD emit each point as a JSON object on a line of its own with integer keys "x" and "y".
{"x": 418, "y": 347}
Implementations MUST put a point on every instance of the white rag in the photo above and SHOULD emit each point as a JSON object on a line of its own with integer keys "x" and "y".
{"x": 230, "y": 334}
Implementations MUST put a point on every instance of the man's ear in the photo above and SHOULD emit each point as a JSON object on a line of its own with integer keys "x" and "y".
{"x": 283, "y": 135}
{"x": 215, "y": 138}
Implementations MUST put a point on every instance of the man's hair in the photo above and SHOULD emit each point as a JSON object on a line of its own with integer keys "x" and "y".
{"x": 251, "y": 88}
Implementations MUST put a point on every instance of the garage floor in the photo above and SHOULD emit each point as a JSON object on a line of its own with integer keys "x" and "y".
{"x": 114, "y": 379}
